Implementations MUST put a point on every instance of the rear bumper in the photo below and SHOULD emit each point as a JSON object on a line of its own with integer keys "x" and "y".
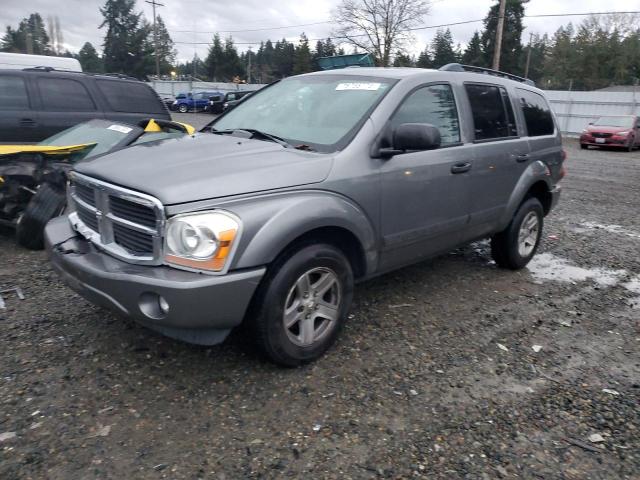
{"x": 202, "y": 308}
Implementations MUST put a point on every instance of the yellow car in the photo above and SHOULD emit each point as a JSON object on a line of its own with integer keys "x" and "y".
{"x": 33, "y": 178}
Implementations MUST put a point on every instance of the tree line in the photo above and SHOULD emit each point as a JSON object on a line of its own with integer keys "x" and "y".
{"x": 600, "y": 51}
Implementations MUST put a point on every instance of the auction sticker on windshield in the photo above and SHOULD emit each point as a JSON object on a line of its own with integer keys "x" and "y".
{"x": 119, "y": 128}
{"x": 358, "y": 86}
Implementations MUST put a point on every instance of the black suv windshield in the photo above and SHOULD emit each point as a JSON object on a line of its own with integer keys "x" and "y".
{"x": 319, "y": 111}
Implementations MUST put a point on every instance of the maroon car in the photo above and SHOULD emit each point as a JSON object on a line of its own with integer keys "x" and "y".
{"x": 615, "y": 131}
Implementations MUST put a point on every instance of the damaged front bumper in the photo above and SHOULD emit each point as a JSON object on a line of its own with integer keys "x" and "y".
{"x": 192, "y": 307}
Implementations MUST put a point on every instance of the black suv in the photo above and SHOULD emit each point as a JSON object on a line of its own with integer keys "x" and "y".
{"x": 36, "y": 103}
{"x": 217, "y": 102}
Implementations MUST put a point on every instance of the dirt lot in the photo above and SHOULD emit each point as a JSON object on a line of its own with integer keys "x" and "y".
{"x": 448, "y": 369}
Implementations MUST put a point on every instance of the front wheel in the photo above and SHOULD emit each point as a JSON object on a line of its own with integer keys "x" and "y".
{"x": 47, "y": 203}
{"x": 183, "y": 108}
{"x": 516, "y": 245}
{"x": 302, "y": 304}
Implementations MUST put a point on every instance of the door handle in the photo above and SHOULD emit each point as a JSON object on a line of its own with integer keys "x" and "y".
{"x": 461, "y": 167}
{"x": 522, "y": 158}
{"x": 27, "y": 122}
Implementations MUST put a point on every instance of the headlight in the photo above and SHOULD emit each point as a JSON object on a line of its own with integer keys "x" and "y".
{"x": 225, "y": 105}
{"x": 175, "y": 102}
{"x": 585, "y": 131}
{"x": 202, "y": 240}
{"x": 623, "y": 134}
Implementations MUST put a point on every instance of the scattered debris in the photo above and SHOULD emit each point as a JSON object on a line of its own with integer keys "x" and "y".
{"x": 317, "y": 427}
{"x": 7, "y": 436}
{"x": 596, "y": 438}
{"x": 102, "y": 431}
{"x": 553, "y": 237}
{"x": 581, "y": 444}
{"x": 18, "y": 292}
{"x": 566, "y": 322}
{"x": 610, "y": 391}
{"x": 160, "y": 466}
{"x": 536, "y": 348}
{"x": 413, "y": 392}
{"x": 402, "y": 305}
{"x": 502, "y": 347}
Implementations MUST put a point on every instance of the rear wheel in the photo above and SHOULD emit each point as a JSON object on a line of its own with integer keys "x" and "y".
{"x": 515, "y": 246}
{"x": 47, "y": 203}
{"x": 183, "y": 108}
{"x": 302, "y": 304}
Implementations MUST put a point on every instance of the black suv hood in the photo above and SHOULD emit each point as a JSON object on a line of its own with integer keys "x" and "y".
{"x": 207, "y": 166}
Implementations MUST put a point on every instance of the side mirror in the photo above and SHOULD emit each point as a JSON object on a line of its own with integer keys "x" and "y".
{"x": 412, "y": 137}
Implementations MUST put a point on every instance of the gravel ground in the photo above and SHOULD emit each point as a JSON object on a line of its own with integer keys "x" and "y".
{"x": 197, "y": 120}
{"x": 435, "y": 375}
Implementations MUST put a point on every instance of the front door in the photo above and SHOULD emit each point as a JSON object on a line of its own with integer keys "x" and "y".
{"x": 425, "y": 201}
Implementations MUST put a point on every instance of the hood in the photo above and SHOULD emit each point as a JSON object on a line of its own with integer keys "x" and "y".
{"x": 607, "y": 129}
{"x": 207, "y": 166}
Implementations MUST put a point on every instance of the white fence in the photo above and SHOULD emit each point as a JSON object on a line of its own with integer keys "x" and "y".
{"x": 165, "y": 87}
{"x": 575, "y": 110}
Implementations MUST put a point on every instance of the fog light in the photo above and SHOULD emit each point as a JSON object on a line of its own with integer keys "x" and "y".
{"x": 153, "y": 305}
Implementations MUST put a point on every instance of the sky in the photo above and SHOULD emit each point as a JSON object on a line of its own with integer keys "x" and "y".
{"x": 192, "y": 21}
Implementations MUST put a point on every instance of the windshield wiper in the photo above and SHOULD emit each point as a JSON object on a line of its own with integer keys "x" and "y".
{"x": 255, "y": 133}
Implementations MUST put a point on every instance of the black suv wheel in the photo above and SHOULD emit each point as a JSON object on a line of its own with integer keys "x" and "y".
{"x": 302, "y": 304}
{"x": 515, "y": 246}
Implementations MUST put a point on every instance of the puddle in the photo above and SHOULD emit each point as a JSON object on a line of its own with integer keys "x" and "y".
{"x": 547, "y": 266}
{"x": 617, "y": 229}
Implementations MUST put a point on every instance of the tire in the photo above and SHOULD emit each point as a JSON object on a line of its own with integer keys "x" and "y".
{"x": 513, "y": 248}
{"x": 583, "y": 146}
{"x": 281, "y": 296}
{"x": 47, "y": 203}
{"x": 630, "y": 146}
{"x": 183, "y": 108}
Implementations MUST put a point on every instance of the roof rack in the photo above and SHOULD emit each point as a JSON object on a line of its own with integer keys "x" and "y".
{"x": 51, "y": 69}
{"x": 457, "y": 67}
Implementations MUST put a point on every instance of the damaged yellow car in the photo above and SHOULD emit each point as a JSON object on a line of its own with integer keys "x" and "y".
{"x": 33, "y": 178}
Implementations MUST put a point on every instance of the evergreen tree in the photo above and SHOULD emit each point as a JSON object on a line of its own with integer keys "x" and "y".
{"x": 403, "y": 60}
{"x": 89, "y": 59}
{"x": 473, "y": 54}
{"x": 214, "y": 60}
{"x": 443, "y": 50}
{"x": 30, "y": 37}
{"x": 424, "y": 59}
{"x": 511, "y": 52}
{"x": 231, "y": 65}
{"x": 166, "y": 50}
{"x": 124, "y": 42}
{"x": 302, "y": 61}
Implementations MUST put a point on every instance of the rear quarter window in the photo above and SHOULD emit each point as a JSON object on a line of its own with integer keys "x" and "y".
{"x": 64, "y": 95}
{"x": 537, "y": 114}
{"x": 130, "y": 97}
{"x": 13, "y": 93}
{"x": 493, "y": 116}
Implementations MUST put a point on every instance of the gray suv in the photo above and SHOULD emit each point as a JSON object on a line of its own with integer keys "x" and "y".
{"x": 271, "y": 214}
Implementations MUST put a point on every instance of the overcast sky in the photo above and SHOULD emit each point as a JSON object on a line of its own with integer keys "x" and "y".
{"x": 79, "y": 19}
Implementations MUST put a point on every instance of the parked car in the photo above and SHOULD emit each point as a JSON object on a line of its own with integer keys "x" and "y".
{"x": 277, "y": 208}
{"x": 622, "y": 131}
{"x": 186, "y": 102}
{"x": 233, "y": 102}
{"x": 217, "y": 103}
{"x": 37, "y": 103}
{"x": 33, "y": 178}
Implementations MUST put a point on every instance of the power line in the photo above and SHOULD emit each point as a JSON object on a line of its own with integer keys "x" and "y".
{"x": 257, "y": 29}
{"x": 426, "y": 27}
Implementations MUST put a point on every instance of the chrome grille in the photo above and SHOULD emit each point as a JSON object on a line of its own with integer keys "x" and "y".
{"x": 125, "y": 223}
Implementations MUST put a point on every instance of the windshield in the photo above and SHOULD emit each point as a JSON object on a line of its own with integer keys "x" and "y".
{"x": 614, "y": 122}
{"x": 105, "y": 137}
{"x": 320, "y": 111}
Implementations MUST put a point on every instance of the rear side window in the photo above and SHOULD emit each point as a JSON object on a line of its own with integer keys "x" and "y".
{"x": 130, "y": 97}
{"x": 13, "y": 93}
{"x": 64, "y": 95}
{"x": 434, "y": 105}
{"x": 492, "y": 112}
{"x": 537, "y": 114}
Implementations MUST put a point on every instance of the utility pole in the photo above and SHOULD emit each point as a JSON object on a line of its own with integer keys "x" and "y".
{"x": 498, "y": 50}
{"x": 153, "y": 4}
{"x": 526, "y": 70}
{"x": 249, "y": 53}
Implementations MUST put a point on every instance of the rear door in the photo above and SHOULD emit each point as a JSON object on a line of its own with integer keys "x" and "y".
{"x": 18, "y": 118}
{"x": 64, "y": 102}
{"x": 130, "y": 101}
{"x": 501, "y": 154}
